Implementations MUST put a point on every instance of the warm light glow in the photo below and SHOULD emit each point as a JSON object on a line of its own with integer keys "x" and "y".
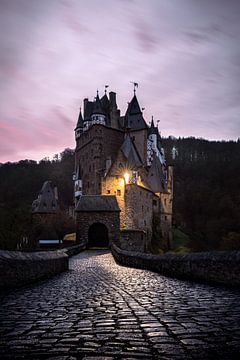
{"x": 126, "y": 177}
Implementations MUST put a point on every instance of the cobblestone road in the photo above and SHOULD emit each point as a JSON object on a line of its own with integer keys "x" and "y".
{"x": 99, "y": 310}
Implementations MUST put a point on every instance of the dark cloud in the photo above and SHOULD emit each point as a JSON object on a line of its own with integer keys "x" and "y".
{"x": 146, "y": 39}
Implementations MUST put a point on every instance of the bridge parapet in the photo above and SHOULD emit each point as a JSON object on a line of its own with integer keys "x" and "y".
{"x": 19, "y": 268}
{"x": 219, "y": 267}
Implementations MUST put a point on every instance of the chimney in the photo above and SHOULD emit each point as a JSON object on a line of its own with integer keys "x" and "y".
{"x": 112, "y": 98}
{"x": 85, "y": 101}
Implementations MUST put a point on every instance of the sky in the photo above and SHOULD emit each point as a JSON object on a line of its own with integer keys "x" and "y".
{"x": 184, "y": 54}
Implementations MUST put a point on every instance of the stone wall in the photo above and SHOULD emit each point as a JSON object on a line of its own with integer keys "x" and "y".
{"x": 133, "y": 240}
{"x": 93, "y": 148}
{"x": 219, "y": 267}
{"x": 18, "y": 268}
{"x": 139, "y": 209}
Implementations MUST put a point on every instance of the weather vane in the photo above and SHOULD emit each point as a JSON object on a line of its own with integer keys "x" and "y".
{"x": 106, "y": 86}
{"x": 135, "y": 85}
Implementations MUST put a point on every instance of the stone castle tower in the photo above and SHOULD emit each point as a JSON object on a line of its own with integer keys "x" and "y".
{"x": 123, "y": 187}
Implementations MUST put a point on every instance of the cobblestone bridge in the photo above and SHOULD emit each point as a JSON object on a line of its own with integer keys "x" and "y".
{"x": 99, "y": 310}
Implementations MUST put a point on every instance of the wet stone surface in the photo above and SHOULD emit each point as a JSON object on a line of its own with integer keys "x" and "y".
{"x": 101, "y": 311}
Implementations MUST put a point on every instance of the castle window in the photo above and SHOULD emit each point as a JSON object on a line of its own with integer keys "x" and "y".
{"x": 108, "y": 192}
{"x": 90, "y": 168}
{"x": 145, "y": 222}
{"x": 142, "y": 208}
{"x": 165, "y": 217}
{"x": 119, "y": 192}
{"x": 154, "y": 202}
{"x": 165, "y": 202}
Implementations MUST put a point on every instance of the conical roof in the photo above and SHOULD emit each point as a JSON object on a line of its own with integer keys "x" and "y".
{"x": 46, "y": 202}
{"x": 153, "y": 129}
{"x": 105, "y": 103}
{"x": 156, "y": 178}
{"x": 80, "y": 120}
{"x": 133, "y": 117}
{"x": 97, "y": 107}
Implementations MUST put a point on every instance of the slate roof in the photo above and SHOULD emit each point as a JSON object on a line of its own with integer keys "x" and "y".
{"x": 156, "y": 178}
{"x": 105, "y": 103}
{"x": 80, "y": 120}
{"x": 153, "y": 129}
{"x": 46, "y": 202}
{"x": 91, "y": 203}
{"x": 133, "y": 117}
{"x": 97, "y": 107}
{"x": 131, "y": 154}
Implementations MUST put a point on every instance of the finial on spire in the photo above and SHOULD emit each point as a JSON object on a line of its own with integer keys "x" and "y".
{"x": 135, "y": 85}
{"x": 97, "y": 92}
{"x": 106, "y": 86}
{"x": 152, "y": 123}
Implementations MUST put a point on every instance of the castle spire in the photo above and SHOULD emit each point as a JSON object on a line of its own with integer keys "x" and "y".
{"x": 80, "y": 120}
{"x": 152, "y": 123}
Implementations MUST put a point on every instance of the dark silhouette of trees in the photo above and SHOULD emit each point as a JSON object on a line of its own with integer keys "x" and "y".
{"x": 206, "y": 190}
{"x": 20, "y": 184}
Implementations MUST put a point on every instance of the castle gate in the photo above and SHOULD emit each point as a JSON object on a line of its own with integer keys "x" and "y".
{"x": 98, "y": 236}
{"x": 97, "y": 220}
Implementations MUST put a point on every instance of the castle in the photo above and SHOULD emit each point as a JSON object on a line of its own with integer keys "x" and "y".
{"x": 122, "y": 185}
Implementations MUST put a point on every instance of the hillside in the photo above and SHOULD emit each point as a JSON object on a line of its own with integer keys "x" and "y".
{"x": 206, "y": 191}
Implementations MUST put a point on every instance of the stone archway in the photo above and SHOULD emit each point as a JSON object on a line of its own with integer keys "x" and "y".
{"x": 98, "y": 235}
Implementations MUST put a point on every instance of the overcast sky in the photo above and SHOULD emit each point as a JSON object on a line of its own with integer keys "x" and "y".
{"x": 185, "y": 55}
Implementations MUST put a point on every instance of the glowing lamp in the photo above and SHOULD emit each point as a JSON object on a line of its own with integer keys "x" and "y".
{"x": 126, "y": 177}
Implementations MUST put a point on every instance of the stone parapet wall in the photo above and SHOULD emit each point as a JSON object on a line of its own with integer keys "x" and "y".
{"x": 133, "y": 240}
{"x": 74, "y": 250}
{"x": 219, "y": 267}
{"x": 18, "y": 268}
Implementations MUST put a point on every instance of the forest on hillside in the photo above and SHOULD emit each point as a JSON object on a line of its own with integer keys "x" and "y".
{"x": 206, "y": 191}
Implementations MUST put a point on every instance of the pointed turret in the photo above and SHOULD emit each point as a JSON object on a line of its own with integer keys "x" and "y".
{"x": 97, "y": 108}
{"x": 98, "y": 114}
{"x": 152, "y": 129}
{"x": 156, "y": 178}
{"x": 133, "y": 117}
{"x": 105, "y": 103}
{"x": 79, "y": 127}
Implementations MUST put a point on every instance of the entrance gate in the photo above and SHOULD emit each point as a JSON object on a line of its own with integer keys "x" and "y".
{"x": 98, "y": 236}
